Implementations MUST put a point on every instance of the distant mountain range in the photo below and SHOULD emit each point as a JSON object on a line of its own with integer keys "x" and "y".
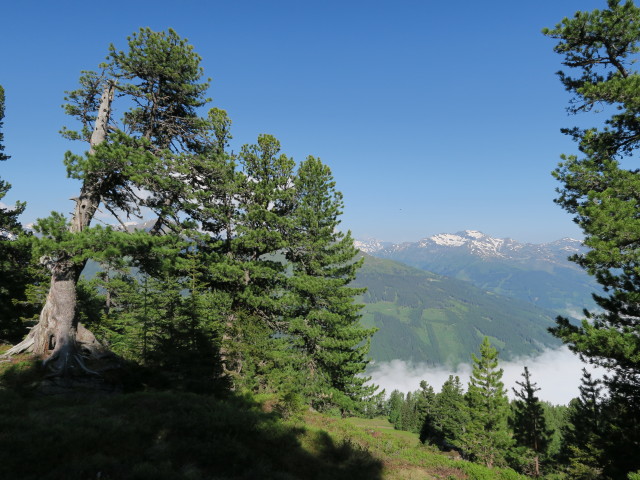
{"x": 429, "y": 318}
{"x": 536, "y": 273}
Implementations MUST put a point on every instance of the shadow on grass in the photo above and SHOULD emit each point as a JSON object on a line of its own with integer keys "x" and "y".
{"x": 162, "y": 435}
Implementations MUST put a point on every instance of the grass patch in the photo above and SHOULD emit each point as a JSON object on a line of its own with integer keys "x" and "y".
{"x": 176, "y": 435}
{"x": 401, "y": 453}
{"x": 164, "y": 435}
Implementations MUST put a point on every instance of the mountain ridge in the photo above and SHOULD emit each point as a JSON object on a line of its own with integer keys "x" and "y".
{"x": 537, "y": 273}
{"x": 476, "y": 242}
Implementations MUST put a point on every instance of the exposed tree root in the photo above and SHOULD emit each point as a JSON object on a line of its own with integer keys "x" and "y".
{"x": 65, "y": 361}
{"x": 25, "y": 345}
{"x": 67, "y": 358}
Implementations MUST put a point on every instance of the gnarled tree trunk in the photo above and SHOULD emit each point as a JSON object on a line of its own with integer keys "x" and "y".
{"x": 58, "y": 337}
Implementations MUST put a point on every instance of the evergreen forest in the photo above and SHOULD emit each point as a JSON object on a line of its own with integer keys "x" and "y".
{"x": 220, "y": 333}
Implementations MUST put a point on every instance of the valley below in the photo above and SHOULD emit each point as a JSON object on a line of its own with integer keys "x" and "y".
{"x": 434, "y": 300}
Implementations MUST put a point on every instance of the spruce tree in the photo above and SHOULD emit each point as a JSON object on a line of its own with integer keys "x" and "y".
{"x": 394, "y": 406}
{"x": 447, "y": 422}
{"x": 425, "y": 400}
{"x": 583, "y": 437}
{"x": 325, "y": 320}
{"x": 529, "y": 424}
{"x": 487, "y": 437}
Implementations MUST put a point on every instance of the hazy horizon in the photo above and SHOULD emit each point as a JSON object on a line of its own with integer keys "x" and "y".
{"x": 557, "y": 372}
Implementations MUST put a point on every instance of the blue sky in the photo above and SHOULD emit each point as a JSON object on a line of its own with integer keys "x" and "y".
{"x": 434, "y": 116}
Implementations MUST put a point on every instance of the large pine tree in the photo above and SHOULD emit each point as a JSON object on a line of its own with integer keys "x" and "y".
{"x": 324, "y": 316}
{"x": 600, "y": 187}
{"x": 130, "y": 165}
{"x": 583, "y": 436}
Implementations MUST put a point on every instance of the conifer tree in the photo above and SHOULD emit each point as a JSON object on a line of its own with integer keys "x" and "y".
{"x": 584, "y": 433}
{"x": 599, "y": 49}
{"x": 529, "y": 425}
{"x": 425, "y": 400}
{"x": 16, "y": 271}
{"x": 395, "y": 402}
{"x": 137, "y": 155}
{"x": 599, "y": 187}
{"x": 324, "y": 318}
{"x": 447, "y": 422}
{"x": 243, "y": 205}
{"x": 407, "y": 421}
{"x": 376, "y": 405}
{"x": 185, "y": 339}
{"x": 487, "y": 437}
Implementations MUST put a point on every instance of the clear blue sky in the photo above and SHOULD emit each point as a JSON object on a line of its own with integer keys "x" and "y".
{"x": 434, "y": 116}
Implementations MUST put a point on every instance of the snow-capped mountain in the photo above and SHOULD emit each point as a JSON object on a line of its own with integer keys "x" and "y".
{"x": 370, "y": 245}
{"x": 480, "y": 245}
{"x": 539, "y": 273}
{"x": 139, "y": 225}
{"x": 476, "y": 242}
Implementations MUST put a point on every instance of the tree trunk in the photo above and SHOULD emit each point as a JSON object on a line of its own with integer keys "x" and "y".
{"x": 58, "y": 337}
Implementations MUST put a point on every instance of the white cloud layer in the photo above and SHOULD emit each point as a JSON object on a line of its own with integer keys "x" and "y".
{"x": 557, "y": 373}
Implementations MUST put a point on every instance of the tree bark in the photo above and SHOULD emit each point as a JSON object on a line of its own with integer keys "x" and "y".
{"x": 58, "y": 337}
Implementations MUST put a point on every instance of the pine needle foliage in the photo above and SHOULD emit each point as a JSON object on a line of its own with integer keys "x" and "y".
{"x": 599, "y": 187}
{"x": 529, "y": 423}
{"x": 325, "y": 319}
{"x": 17, "y": 271}
{"x": 487, "y": 437}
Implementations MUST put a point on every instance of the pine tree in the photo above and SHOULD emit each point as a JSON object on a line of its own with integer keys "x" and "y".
{"x": 161, "y": 73}
{"x": 16, "y": 269}
{"x": 447, "y": 422}
{"x": 243, "y": 204}
{"x": 583, "y": 436}
{"x": 597, "y": 190}
{"x": 160, "y": 130}
{"x": 395, "y": 402}
{"x": 600, "y": 49}
{"x": 487, "y": 437}
{"x": 529, "y": 424}
{"x": 325, "y": 321}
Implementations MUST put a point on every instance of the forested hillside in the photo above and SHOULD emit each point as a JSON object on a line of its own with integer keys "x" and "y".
{"x": 424, "y": 317}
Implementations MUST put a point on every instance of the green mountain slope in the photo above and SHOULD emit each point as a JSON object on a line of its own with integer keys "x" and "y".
{"x": 536, "y": 273}
{"x": 424, "y": 317}
{"x": 564, "y": 289}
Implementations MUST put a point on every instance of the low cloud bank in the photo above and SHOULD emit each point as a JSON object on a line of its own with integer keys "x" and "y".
{"x": 557, "y": 373}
